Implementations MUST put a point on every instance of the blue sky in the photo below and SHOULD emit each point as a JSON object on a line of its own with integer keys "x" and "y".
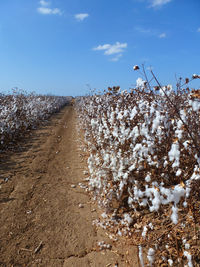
{"x": 64, "y": 47}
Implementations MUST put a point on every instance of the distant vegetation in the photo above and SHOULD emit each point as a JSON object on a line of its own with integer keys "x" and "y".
{"x": 20, "y": 112}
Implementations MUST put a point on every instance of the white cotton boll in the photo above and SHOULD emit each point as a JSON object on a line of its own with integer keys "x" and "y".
{"x": 174, "y": 216}
{"x": 179, "y": 133}
{"x": 126, "y": 113}
{"x": 165, "y": 163}
{"x": 156, "y": 201}
{"x": 121, "y": 185}
{"x": 140, "y": 83}
{"x": 145, "y": 229}
{"x": 144, "y": 202}
{"x": 184, "y": 240}
{"x": 185, "y": 144}
{"x": 151, "y": 226}
{"x": 178, "y": 173}
{"x": 178, "y": 192}
{"x": 125, "y": 176}
{"x": 120, "y": 116}
{"x": 185, "y": 204}
{"x": 179, "y": 124}
{"x": 93, "y": 123}
{"x": 150, "y": 256}
{"x": 187, "y": 246}
{"x": 170, "y": 262}
{"x": 127, "y": 218}
{"x": 174, "y": 154}
{"x": 133, "y": 113}
{"x": 195, "y": 104}
{"x": 183, "y": 115}
{"x": 156, "y": 121}
{"x": 119, "y": 233}
{"x": 130, "y": 201}
{"x": 141, "y": 256}
{"x": 148, "y": 178}
{"x": 189, "y": 258}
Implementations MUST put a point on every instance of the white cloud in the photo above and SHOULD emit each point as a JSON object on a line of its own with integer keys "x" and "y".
{"x": 44, "y": 3}
{"x": 198, "y": 30}
{"x": 45, "y": 10}
{"x": 159, "y": 3}
{"x": 81, "y": 16}
{"x": 163, "y": 35}
{"x": 112, "y": 49}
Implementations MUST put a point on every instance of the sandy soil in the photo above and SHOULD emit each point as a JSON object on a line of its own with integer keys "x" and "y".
{"x": 44, "y": 219}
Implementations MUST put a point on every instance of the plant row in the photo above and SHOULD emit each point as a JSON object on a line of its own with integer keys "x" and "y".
{"x": 20, "y": 112}
{"x": 144, "y": 166}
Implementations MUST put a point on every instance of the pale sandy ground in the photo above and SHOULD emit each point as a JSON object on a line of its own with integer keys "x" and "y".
{"x": 41, "y": 223}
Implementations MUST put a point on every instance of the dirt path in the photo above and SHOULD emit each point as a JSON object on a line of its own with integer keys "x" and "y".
{"x": 44, "y": 220}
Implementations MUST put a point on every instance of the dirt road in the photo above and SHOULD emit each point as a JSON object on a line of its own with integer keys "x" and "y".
{"x": 45, "y": 217}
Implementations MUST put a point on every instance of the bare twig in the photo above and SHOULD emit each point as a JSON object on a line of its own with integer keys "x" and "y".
{"x": 38, "y": 247}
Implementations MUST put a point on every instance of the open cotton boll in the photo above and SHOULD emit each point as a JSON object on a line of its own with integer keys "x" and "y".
{"x": 174, "y": 216}
{"x": 178, "y": 173}
{"x": 174, "y": 154}
{"x": 145, "y": 229}
{"x": 148, "y": 178}
{"x": 187, "y": 246}
{"x": 128, "y": 219}
{"x": 151, "y": 256}
{"x": 189, "y": 258}
{"x": 141, "y": 256}
{"x": 133, "y": 113}
{"x": 195, "y": 104}
{"x": 140, "y": 83}
{"x": 170, "y": 262}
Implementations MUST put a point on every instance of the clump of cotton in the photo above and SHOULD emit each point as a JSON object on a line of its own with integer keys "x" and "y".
{"x": 141, "y": 256}
{"x": 140, "y": 83}
{"x": 189, "y": 258}
{"x": 151, "y": 256}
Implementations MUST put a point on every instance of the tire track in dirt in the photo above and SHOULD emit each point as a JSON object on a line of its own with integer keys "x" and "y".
{"x": 41, "y": 221}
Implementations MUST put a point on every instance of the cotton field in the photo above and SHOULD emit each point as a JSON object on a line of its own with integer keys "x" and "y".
{"x": 20, "y": 111}
{"x": 144, "y": 166}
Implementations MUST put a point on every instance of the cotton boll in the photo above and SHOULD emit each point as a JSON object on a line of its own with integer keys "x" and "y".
{"x": 187, "y": 246}
{"x": 140, "y": 83}
{"x": 174, "y": 154}
{"x": 151, "y": 256}
{"x": 178, "y": 173}
{"x": 141, "y": 256}
{"x": 151, "y": 226}
{"x": 145, "y": 229}
{"x": 189, "y": 258}
{"x": 148, "y": 178}
{"x": 170, "y": 262}
{"x": 128, "y": 219}
{"x": 195, "y": 105}
{"x": 156, "y": 201}
{"x": 174, "y": 216}
{"x": 185, "y": 204}
{"x": 133, "y": 113}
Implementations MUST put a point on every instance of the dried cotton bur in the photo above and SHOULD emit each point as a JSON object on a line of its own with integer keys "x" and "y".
{"x": 144, "y": 166}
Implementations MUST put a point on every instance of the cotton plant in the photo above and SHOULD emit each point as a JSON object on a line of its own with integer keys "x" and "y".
{"x": 143, "y": 153}
{"x": 20, "y": 112}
